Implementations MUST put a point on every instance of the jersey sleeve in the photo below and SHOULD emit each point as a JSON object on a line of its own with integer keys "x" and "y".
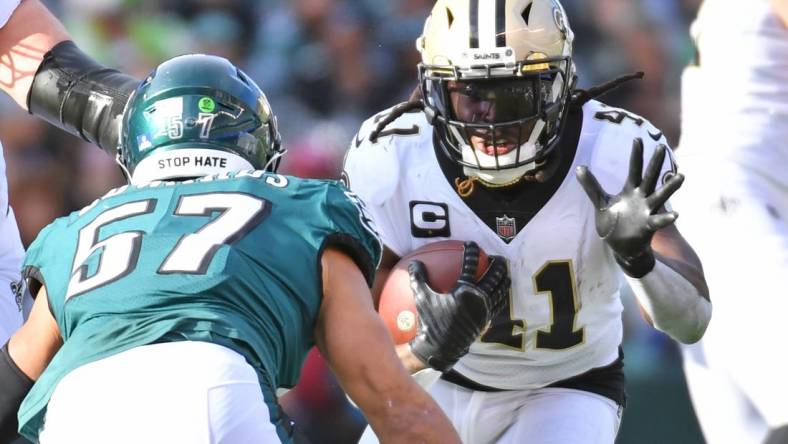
{"x": 354, "y": 230}
{"x": 371, "y": 171}
{"x": 7, "y": 7}
{"x": 35, "y": 263}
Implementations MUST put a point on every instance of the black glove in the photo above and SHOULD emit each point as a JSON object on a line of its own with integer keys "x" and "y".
{"x": 449, "y": 323}
{"x": 628, "y": 220}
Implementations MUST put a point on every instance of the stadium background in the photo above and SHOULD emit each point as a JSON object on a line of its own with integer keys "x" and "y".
{"x": 326, "y": 65}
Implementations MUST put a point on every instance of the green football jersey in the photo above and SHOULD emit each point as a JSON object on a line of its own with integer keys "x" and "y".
{"x": 231, "y": 259}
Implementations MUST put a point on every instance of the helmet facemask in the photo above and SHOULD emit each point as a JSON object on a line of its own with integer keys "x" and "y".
{"x": 500, "y": 127}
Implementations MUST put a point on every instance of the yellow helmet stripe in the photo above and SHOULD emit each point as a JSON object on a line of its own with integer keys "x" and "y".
{"x": 487, "y": 23}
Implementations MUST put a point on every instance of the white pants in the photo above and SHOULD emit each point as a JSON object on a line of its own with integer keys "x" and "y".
{"x": 180, "y": 392}
{"x": 737, "y": 222}
{"x": 542, "y": 416}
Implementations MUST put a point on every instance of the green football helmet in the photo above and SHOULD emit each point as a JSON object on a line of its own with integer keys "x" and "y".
{"x": 197, "y": 115}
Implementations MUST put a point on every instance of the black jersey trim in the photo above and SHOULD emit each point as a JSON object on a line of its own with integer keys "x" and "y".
{"x": 353, "y": 248}
{"x": 34, "y": 279}
{"x": 457, "y": 379}
{"x": 607, "y": 381}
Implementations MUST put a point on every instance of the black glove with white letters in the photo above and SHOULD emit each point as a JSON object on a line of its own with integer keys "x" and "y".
{"x": 450, "y": 322}
{"x": 628, "y": 220}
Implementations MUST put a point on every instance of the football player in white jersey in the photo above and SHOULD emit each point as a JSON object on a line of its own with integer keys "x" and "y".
{"x": 497, "y": 146}
{"x": 734, "y": 148}
{"x": 46, "y": 74}
{"x": 31, "y": 30}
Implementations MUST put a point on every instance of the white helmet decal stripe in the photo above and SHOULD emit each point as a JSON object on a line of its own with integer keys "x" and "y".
{"x": 487, "y": 28}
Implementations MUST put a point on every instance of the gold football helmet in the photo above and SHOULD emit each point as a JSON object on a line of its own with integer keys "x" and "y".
{"x": 497, "y": 77}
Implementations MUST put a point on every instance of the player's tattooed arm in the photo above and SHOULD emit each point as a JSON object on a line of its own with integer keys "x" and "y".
{"x": 663, "y": 271}
{"x": 30, "y": 32}
{"x": 45, "y": 73}
{"x": 23, "y": 359}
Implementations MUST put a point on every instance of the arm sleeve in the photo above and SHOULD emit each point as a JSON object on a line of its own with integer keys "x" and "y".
{"x": 372, "y": 172}
{"x": 38, "y": 266}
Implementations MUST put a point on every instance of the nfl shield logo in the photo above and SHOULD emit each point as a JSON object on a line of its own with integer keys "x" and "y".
{"x": 506, "y": 227}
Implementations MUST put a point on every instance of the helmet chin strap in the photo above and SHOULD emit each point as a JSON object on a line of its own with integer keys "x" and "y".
{"x": 123, "y": 168}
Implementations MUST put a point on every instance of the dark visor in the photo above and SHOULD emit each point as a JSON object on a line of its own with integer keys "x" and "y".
{"x": 498, "y": 101}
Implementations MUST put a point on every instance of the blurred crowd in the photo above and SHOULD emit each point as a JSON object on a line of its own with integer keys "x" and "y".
{"x": 326, "y": 65}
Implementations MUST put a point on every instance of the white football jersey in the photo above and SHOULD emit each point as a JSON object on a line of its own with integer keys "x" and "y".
{"x": 735, "y": 102}
{"x": 11, "y": 250}
{"x": 11, "y": 253}
{"x": 564, "y": 314}
{"x": 7, "y": 8}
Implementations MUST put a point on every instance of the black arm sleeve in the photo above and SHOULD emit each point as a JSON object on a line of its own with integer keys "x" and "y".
{"x": 77, "y": 94}
{"x": 14, "y": 385}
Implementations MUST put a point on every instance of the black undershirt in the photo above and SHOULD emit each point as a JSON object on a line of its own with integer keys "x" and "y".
{"x": 522, "y": 202}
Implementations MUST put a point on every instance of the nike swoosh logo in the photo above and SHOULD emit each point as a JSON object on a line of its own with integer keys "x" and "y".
{"x": 656, "y": 136}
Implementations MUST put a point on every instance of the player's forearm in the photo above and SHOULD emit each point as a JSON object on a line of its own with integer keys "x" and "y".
{"x": 29, "y": 34}
{"x": 674, "y": 304}
{"x": 411, "y": 416}
{"x": 79, "y": 95}
{"x": 397, "y": 409}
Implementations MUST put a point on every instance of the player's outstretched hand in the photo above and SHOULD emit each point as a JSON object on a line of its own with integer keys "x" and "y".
{"x": 450, "y": 322}
{"x": 628, "y": 220}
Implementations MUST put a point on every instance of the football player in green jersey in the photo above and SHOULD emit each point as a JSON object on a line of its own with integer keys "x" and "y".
{"x": 171, "y": 309}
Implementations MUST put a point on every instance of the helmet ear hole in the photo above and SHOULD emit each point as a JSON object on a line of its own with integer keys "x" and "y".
{"x": 450, "y": 16}
{"x": 527, "y": 13}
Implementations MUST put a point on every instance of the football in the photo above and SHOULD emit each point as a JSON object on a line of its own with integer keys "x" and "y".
{"x": 443, "y": 262}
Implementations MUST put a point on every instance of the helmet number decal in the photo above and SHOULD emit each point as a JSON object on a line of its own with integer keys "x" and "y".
{"x": 172, "y": 128}
{"x": 174, "y": 125}
{"x": 206, "y": 120}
